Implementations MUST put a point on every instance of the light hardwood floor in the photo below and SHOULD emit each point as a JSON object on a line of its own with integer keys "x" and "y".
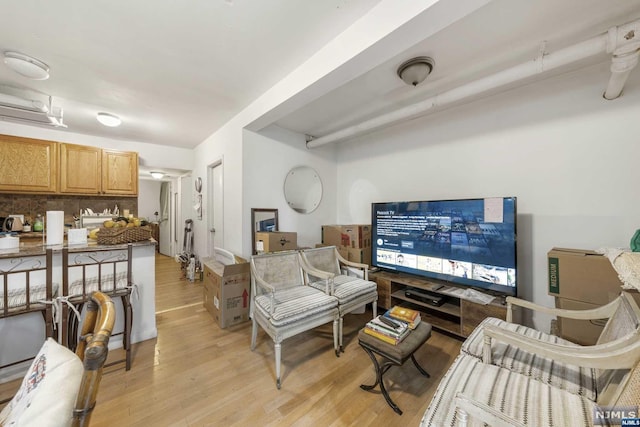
{"x": 196, "y": 374}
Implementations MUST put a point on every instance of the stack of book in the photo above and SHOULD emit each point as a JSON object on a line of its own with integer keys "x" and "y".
{"x": 387, "y": 330}
{"x": 407, "y": 315}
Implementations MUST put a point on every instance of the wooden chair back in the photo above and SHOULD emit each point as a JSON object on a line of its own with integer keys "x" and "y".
{"x": 281, "y": 270}
{"x": 93, "y": 349}
{"x": 323, "y": 259}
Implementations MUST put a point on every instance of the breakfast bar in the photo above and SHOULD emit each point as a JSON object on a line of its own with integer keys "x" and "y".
{"x": 22, "y": 335}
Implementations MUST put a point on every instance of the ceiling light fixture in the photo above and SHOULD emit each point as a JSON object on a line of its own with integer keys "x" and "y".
{"x": 157, "y": 175}
{"x": 414, "y": 71}
{"x": 26, "y": 65}
{"x": 110, "y": 120}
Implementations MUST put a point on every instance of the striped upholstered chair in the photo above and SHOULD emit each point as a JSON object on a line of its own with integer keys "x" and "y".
{"x": 493, "y": 337}
{"x": 283, "y": 305}
{"x": 508, "y": 375}
{"x": 323, "y": 270}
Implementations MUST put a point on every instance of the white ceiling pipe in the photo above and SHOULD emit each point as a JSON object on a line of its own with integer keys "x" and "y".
{"x": 621, "y": 66}
{"x": 607, "y": 42}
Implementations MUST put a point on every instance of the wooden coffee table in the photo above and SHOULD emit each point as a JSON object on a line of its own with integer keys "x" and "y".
{"x": 393, "y": 355}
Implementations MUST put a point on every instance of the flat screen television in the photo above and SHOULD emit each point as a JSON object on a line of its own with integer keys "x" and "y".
{"x": 469, "y": 242}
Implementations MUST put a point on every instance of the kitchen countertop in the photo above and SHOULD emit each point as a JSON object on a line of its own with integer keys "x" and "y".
{"x": 32, "y": 247}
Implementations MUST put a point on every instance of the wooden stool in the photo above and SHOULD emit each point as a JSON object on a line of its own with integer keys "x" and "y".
{"x": 393, "y": 355}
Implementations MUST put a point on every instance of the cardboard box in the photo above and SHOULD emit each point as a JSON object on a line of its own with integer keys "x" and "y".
{"x": 362, "y": 255}
{"x": 582, "y": 275}
{"x": 227, "y": 291}
{"x": 274, "y": 241}
{"x": 352, "y": 235}
{"x": 332, "y": 235}
{"x": 583, "y": 332}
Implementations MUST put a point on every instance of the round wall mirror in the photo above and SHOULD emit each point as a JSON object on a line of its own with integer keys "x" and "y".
{"x": 303, "y": 189}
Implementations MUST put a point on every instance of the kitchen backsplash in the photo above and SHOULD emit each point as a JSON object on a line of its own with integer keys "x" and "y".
{"x": 32, "y": 205}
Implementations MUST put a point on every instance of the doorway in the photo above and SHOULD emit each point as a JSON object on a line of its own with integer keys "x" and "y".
{"x": 215, "y": 209}
{"x": 166, "y": 218}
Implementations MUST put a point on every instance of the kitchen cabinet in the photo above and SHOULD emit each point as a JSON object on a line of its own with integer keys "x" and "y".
{"x": 92, "y": 170}
{"x": 81, "y": 169}
{"x": 49, "y": 167}
{"x": 120, "y": 172}
{"x": 28, "y": 165}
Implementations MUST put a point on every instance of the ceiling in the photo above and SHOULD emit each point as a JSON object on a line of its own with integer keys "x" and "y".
{"x": 502, "y": 34}
{"x": 175, "y": 72}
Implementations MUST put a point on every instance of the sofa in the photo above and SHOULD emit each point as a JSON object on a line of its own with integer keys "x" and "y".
{"x": 512, "y": 375}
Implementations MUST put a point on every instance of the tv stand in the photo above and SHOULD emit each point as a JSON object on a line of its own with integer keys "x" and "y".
{"x": 456, "y": 316}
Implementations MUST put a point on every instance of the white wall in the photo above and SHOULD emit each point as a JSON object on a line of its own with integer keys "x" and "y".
{"x": 567, "y": 154}
{"x": 351, "y": 53}
{"x": 223, "y": 146}
{"x": 267, "y": 160}
{"x": 148, "y": 198}
{"x": 152, "y": 155}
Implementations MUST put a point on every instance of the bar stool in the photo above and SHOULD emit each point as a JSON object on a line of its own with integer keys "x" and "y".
{"x": 108, "y": 270}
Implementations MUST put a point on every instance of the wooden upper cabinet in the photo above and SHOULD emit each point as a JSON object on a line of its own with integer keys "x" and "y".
{"x": 80, "y": 169}
{"x": 120, "y": 172}
{"x": 92, "y": 170}
{"x": 41, "y": 167}
{"x": 28, "y": 165}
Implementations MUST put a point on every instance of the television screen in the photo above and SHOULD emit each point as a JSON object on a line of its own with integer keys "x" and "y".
{"x": 468, "y": 242}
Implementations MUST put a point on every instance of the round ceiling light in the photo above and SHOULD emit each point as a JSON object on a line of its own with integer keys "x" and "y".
{"x": 157, "y": 175}
{"x": 110, "y": 120}
{"x": 26, "y": 66}
{"x": 414, "y": 71}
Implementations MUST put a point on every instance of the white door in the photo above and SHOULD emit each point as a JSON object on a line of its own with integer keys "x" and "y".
{"x": 166, "y": 235}
{"x": 215, "y": 207}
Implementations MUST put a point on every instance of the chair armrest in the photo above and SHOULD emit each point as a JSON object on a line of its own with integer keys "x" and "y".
{"x": 620, "y": 354}
{"x": 363, "y": 267}
{"x": 602, "y": 312}
{"x": 260, "y": 281}
{"x": 468, "y": 407}
{"x": 324, "y": 275}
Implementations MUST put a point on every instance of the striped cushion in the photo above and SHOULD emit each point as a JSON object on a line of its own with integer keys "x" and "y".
{"x": 17, "y": 298}
{"x": 518, "y": 396}
{"x": 294, "y": 304}
{"x": 575, "y": 379}
{"x": 347, "y": 288}
{"x": 91, "y": 284}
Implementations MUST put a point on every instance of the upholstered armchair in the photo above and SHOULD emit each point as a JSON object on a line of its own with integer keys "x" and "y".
{"x": 283, "y": 305}
{"x": 323, "y": 270}
{"x": 508, "y": 374}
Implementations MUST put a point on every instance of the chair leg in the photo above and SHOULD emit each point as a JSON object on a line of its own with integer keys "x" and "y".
{"x": 254, "y": 333}
{"x": 128, "y": 322}
{"x": 340, "y": 329}
{"x": 374, "y": 306}
{"x": 337, "y": 336}
{"x": 278, "y": 350}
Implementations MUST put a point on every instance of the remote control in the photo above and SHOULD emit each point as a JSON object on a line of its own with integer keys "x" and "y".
{"x": 389, "y": 322}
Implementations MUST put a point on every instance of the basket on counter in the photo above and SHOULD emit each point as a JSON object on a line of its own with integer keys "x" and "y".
{"x": 114, "y": 236}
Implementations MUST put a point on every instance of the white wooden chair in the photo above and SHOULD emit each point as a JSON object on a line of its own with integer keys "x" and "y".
{"x": 526, "y": 377}
{"x": 323, "y": 270}
{"x": 283, "y": 305}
